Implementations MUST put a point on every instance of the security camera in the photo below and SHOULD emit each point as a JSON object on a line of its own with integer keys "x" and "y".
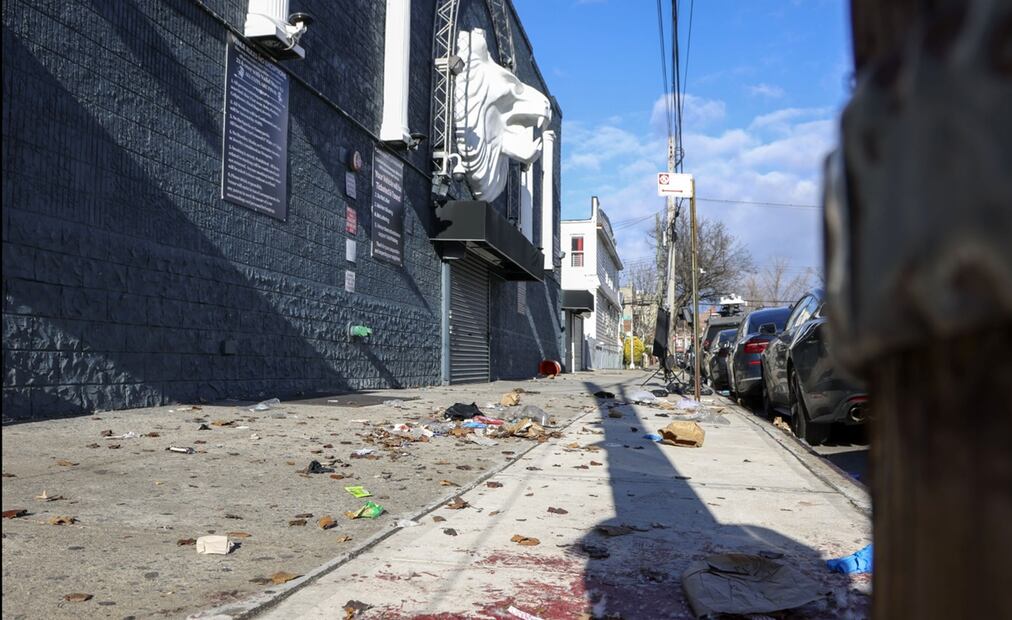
{"x": 300, "y": 20}
{"x": 459, "y": 172}
{"x": 416, "y": 140}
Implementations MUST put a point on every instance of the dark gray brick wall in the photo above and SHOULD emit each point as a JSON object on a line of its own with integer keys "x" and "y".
{"x": 128, "y": 282}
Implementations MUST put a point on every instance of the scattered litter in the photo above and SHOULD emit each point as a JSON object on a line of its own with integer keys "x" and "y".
{"x": 77, "y": 597}
{"x": 304, "y": 515}
{"x": 203, "y": 427}
{"x": 325, "y": 523}
{"x": 362, "y": 453}
{"x": 339, "y": 476}
{"x": 46, "y": 497}
{"x": 642, "y": 397}
{"x": 448, "y": 483}
{"x": 489, "y": 421}
{"x": 181, "y": 449}
{"x": 296, "y": 523}
{"x": 129, "y": 435}
{"x": 254, "y": 437}
{"x": 352, "y": 608}
{"x": 315, "y": 467}
{"x": 395, "y": 404}
{"x": 343, "y": 538}
{"x": 535, "y": 413}
{"x": 604, "y": 394}
{"x": 358, "y": 492}
{"x": 66, "y": 463}
{"x": 510, "y": 399}
{"x": 152, "y": 434}
{"x": 493, "y": 485}
{"x": 14, "y": 513}
{"x": 239, "y": 535}
{"x": 106, "y": 433}
{"x": 457, "y": 503}
{"x": 558, "y": 511}
{"x": 460, "y": 411}
{"x": 525, "y": 541}
{"x": 652, "y": 437}
{"x": 229, "y": 515}
{"x": 62, "y": 520}
{"x": 369, "y": 510}
{"x": 438, "y": 519}
{"x": 473, "y": 424}
{"x": 682, "y": 433}
{"x": 449, "y": 531}
{"x": 615, "y": 413}
{"x": 518, "y": 613}
{"x": 779, "y": 423}
{"x": 264, "y": 405}
{"x": 857, "y": 562}
{"x": 186, "y": 542}
{"x": 281, "y": 577}
{"x": 406, "y": 523}
{"x": 742, "y": 584}
{"x": 214, "y": 545}
{"x": 483, "y": 441}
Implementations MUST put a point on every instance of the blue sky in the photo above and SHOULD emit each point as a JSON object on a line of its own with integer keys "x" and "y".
{"x": 766, "y": 80}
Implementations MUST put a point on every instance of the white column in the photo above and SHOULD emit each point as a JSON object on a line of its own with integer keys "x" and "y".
{"x": 527, "y": 202}
{"x": 396, "y": 59}
{"x": 548, "y": 198}
{"x": 275, "y": 9}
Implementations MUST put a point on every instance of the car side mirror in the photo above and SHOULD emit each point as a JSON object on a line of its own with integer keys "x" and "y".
{"x": 768, "y": 328}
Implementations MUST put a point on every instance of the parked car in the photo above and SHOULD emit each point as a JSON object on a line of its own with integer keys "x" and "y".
{"x": 744, "y": 362}
{"x": 802, "y": 380}
{"x": 716, "y": 358}
{"x": 715, "y": 325}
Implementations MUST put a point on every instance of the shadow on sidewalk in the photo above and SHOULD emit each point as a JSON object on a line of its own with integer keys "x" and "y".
{"x": 641, "y": 577}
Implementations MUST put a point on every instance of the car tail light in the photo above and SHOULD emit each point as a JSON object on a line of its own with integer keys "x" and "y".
{"x": 754, "y": 362}
{"x": 755, "y": 346}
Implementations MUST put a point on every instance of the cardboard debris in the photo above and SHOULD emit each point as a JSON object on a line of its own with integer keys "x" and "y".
{"x": 62, "y": 520}
{"x": 680, "y": 433}
{"x": 525, "y": 541}
{"x": 214, "y": 545}
{"x": 326, "y": 523}
{"x": 281, "y": 577}
{"x": 77, "y": 597}
{"x": 510, "y": 399}
{"x": 457, "y": 503}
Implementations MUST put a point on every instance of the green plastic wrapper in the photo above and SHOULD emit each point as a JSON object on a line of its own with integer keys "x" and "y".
{"x": 369, "y": 510}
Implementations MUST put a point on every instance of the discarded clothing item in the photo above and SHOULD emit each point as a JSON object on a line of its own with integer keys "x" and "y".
{"x": 681, "y": 433}
{"x": 736, "y": 583}
{"x": 216, "y": 545}
{"x": 652, "y": 437}
{"x": 315, "y": 467}
{"x": 857, "y": 562}
{"x": 604, "y": 394}
{"x": 460, "y": 411}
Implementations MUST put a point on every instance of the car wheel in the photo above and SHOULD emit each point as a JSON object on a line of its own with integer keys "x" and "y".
{"x": 813, "y": 434}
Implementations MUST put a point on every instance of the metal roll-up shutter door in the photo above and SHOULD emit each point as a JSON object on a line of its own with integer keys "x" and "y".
{"x": 469, "y": 311}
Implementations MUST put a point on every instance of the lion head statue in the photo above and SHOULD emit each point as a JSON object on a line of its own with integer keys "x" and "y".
{"x": 494, "y": 114}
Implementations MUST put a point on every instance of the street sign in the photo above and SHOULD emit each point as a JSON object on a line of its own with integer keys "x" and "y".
{"x": 674, "y": 184}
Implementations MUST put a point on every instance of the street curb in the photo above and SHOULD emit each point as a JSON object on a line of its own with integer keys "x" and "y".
{"x": 855, "y": 492}
{"x": 256, "y": 605}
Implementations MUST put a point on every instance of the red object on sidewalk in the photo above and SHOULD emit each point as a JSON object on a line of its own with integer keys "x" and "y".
{"x": 549, "y": 367}
{"x": 492, "y": 421}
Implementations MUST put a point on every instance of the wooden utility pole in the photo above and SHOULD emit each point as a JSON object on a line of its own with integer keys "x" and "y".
{"x": 695, "y": 292}
{"x": 670, "y": 236}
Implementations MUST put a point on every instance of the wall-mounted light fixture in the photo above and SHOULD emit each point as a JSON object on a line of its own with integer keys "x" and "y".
{"x": 269, "y": 25}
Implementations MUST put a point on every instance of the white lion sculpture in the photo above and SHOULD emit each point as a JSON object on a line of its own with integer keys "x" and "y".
{"x": 494, "y": 114}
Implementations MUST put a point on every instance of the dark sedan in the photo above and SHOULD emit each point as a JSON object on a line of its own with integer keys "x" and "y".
{"x": 716, "y": 358}
{"x": 801, "y": 378}
{"x": 744, "y": 361}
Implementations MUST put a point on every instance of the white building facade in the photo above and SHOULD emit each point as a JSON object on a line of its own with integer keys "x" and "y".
{"x": 592, "y": 264}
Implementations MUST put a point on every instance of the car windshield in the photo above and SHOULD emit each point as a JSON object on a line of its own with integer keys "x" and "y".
{"x": 776, "y": 315}
{"x": 726, "y": 336}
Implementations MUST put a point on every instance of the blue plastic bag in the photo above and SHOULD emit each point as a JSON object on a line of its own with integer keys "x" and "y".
{"x": 858, "y": 562}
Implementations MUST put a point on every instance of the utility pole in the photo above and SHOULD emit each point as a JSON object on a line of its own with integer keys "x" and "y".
{"x": 632, "y": 325}
{"x": 695, "y": 292}
{"x": 670, "y": 235}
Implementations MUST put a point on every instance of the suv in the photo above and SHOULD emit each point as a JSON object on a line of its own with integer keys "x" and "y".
{"x": 801, "y": 378}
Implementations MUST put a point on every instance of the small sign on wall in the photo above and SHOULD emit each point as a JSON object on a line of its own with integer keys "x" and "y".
{"x": 350, "y": 187}
{"x": 349, "y": 281}
{"x": 350, "y": 221}
{"x": 350, "y": 250}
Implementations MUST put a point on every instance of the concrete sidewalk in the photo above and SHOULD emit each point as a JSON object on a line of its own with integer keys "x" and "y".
{"x": 133, "y": 500}
{"x": 746, "y": 490}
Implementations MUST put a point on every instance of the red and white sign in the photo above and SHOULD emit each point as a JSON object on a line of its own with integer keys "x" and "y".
{"x": 674, "y": 184}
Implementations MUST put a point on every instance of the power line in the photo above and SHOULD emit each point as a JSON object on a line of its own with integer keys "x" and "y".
{"x": 759, "y": 203}
{"x": 668, "y": 113}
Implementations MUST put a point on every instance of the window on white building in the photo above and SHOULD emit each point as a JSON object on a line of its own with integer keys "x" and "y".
{"x": 576, "y": 250}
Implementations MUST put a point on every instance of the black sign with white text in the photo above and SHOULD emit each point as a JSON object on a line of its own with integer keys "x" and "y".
{"x": 254, "y": 168}
{"x": 387, "y": 208}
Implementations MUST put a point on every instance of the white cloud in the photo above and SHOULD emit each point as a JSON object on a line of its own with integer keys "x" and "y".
{"x": 766, "y": 90}
{"x": 777, "y": 157}
{"x": 697, "y": 111}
